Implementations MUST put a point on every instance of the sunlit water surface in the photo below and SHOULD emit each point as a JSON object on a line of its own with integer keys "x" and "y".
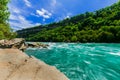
{"x": 88, "y": 61}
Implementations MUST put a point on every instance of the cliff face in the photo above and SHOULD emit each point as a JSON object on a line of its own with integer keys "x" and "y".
{"x": 16, "y": 65}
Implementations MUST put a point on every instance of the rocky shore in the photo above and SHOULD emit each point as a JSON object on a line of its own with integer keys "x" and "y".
{"x": 16, "y": 65}
{"x": 19, "y": 43}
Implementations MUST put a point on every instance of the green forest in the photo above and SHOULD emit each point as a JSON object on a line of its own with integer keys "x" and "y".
{"x": 5, "y": 30}
{"x": 100, "y": 26}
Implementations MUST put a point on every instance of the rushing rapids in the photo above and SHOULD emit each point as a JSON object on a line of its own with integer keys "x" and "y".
{"x": 88, "y": 61}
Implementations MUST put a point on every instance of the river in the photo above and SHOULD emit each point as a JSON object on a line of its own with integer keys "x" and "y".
{"x": 82, "y": 61}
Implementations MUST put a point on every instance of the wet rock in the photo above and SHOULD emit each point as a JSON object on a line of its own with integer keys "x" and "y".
{"x": 36, "y": 44}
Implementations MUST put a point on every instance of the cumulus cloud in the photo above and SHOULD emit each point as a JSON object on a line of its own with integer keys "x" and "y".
{"x": 27, "y": 3}
{"x": 44, "y": 13}
{"x": 20, "y": 22}
{"x": 14, "y": 9}
{"x": 18, "y": 16}
{"x": 13, "y": 17}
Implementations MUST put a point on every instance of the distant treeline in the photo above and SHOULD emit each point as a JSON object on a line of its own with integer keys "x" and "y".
{"x": 100, "y": 26}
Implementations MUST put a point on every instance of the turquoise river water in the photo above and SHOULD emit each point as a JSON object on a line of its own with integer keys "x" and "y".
{"x": 82, "y": 61}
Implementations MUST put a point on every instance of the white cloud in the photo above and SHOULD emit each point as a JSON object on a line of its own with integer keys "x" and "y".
{"x": 67, "y": 16}
{"x": 13, "y": 17}
{"x": 55, "y": 6}
{"x": 17, "y": 17}
{"x": 14, "y": 9}
{"x": 44, "y": 13}
{"x": 64, "y": 16}
{"x": 21, "y": 22}
{"x": 27, "y": 3}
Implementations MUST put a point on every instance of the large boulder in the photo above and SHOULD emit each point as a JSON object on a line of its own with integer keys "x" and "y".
{"x": 37, "y": 44}
{"x": 17, "y": 43}
{"x": 16, "y": 65}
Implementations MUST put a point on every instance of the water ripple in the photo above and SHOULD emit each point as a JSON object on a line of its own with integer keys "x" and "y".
{"x": 89, "y": 61}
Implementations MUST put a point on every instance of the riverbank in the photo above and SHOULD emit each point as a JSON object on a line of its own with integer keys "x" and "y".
{"x": 19, "y": 43}
{"x": 16, "y": 65}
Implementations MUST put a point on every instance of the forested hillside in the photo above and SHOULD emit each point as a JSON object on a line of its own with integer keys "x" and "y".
{"x": 100, "y": 26}
{"x": 5, "y": 30}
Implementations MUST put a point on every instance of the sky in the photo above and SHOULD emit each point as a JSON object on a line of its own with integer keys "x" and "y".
{"x": 30, "y": 13}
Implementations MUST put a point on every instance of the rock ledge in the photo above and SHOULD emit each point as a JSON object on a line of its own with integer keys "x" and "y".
{"x": 16, "y": 65}
{"x": 19, "y": 43}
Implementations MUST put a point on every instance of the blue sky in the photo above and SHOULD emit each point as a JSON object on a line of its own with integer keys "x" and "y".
{"x": 29, "y": 13}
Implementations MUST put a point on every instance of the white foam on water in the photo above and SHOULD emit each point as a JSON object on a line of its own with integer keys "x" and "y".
{"x": 51, "y": 45}
{"x": 87, "y": 62}
{"x": 95, "y": 54}
{"x": 117, "y": 54}
{"x": 83, "y": 61}
{"x": 63, "y": 46}
{"x": 30, "y": 48}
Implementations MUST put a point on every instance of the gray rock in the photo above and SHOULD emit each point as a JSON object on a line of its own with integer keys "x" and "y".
{"x": 37, "y": 44}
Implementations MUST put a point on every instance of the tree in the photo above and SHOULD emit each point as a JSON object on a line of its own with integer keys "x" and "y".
{"x": 99, "y": 26}
{"x": 105, "y": 36}
{"x": 4, "y": 13}
{"x": 1, "y": 35}
{"x": 74, "y": 39}
{"x": 5, "y": 30}
{"x": 118, "y": 36}
{"x": 88, "y": 22}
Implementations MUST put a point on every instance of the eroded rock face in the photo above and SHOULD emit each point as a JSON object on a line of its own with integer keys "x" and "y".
{"x": 15, "y": 65}
{"x": 17, "y": 43}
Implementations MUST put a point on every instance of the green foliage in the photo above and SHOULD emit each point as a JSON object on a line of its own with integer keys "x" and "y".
{"x": 74, "y": 39}
{"x": 4, "y": 13}
{"x": 100, "y": 26}
{"x": 118, "y": 36}
{"x": 5, "y": 30}
{"x": 105, "y": 36}
{"x": 1, "y": 35}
